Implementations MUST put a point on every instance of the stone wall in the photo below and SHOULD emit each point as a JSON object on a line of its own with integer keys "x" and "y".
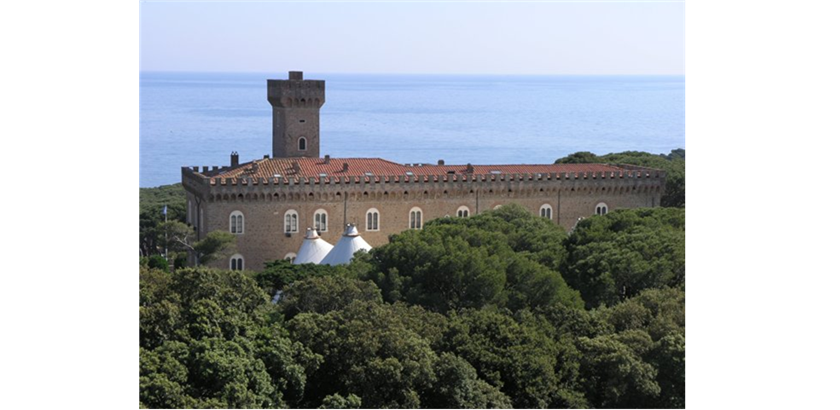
{"x": 264, "y": 238}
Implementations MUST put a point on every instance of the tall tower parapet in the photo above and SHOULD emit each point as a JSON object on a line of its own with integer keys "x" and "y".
{"x": 296, "y": 107}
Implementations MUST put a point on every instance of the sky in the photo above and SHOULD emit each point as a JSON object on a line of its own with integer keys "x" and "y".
{"x": 589, "y": 38}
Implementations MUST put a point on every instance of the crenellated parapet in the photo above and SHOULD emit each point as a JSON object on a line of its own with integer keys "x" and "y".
{"x": 399, "y": 187}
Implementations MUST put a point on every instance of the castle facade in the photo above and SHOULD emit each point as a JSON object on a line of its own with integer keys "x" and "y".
{"x": 269, "y": 203}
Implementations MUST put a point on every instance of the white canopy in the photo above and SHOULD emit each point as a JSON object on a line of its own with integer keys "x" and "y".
{"x": 345, "y": 248}
{"x": 313, "y": 249}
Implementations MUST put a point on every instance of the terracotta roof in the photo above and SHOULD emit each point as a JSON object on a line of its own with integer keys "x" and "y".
{"x": 314, "y": 167}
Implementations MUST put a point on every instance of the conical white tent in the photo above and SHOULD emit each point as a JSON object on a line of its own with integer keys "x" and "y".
{"x": 313, "y": 249}
{"x": 343, "y": 251}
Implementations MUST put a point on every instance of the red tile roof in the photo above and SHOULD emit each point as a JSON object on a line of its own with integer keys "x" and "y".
{"x": 359, "y": 167}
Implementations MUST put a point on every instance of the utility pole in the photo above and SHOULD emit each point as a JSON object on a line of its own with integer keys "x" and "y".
{"x": 165, "y": 235}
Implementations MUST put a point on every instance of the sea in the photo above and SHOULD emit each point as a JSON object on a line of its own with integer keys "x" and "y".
{"x": 197, "y": 119}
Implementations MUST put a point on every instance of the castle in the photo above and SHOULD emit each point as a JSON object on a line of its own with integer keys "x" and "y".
{"x": 269, "y": 203}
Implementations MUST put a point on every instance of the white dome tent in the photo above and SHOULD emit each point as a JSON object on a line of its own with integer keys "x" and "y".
{"x": 313, "y": 249}
{"x": 349, "y": 244}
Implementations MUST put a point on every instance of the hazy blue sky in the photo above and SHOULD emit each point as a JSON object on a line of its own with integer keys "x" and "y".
{"x": 491, "y": 38}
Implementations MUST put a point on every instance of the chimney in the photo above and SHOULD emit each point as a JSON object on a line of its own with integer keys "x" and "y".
{"x": 296, "y": 75}
{"x": 440, "y": 162}
{"x": 296, "y": 167}
{"x": 326, "y": 159}
{"x": 234, "y": 159}
{"x": 470, "y": 169}
{"x": 345, "y": 167}
{"x": 265, "y": 156}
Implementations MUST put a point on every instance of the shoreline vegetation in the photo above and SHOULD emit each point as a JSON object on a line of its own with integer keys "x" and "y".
{"x": 502, "y": 309}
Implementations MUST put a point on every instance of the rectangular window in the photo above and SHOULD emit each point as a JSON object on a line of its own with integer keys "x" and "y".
{"x": 321, "y": 222}
{"x": 373, "y": 221}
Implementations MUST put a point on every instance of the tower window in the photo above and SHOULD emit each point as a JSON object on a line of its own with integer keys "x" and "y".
{"x": 321, "y": 220}
{"x": 237, "y": 222}
{"x": 237, "y": 262}
{"x": 302, "y": 144}
{"x": 372, "y": 219}
{"x": 291, "y": 225}
{"x": 415, "y": 218}
{"x": 545, "y": 211}
{"x": 301, "y": 121}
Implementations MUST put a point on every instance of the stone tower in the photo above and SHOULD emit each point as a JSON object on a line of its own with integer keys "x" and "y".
{"x": 296, "y": 106}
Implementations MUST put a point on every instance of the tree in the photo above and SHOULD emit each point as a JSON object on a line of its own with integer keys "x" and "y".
{"x": 440, "y": 268}
{"x": 326, "y": 294}
{"x": 158, "y": 262}
{"x": 517, "y": 359}
{"x": 616, "y": 256}
{"x": 337, "y": 401}
{"x": 460, "y": 263}
{"x": 208, "y": 339}
{"x": 613, "y": 375}
{"x": 181, "y": 238}
{"x": 458, "y": 386}
{"x": 152, "y": 201}
{"x": 536, "y": 238}
{"x": 582, "y": 157}
{"x": 652, "y": 325}
{"x": 668, "y": 355}
{"x": 279, "y": 274}
{"x": 369, "y": 352}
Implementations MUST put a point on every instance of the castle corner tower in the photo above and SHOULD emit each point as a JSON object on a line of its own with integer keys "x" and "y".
{"x": 296, "y": 106}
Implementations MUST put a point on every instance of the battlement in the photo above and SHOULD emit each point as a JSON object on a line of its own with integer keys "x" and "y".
{"x": 206, "y": 178}
{"x": 296, "y": 92}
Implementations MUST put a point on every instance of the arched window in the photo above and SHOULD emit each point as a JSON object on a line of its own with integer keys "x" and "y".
{"x": 545, "y": 211}
{"x": 302, "y": 144}
{"x": 372, "y": 219}
{"x": 237, "y": 222}
{"x": 291, "y": 222}
{"x": 601, "y": 209}
{"x": 463, "y": 212}
{"x": 237, "y": 262}
{"x": 415, "y": 218}
{"x": 321, "y": 220}
{"x": 290, "y": 257}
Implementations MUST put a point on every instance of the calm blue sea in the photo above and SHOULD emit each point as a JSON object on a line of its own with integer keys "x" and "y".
{"x": 199, "y": 118}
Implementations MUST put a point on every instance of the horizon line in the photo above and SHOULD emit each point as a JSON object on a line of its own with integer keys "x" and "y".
{"x": 407, "y": 73}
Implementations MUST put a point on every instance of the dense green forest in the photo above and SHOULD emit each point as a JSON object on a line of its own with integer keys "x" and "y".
{"x": 502, "y": 309}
